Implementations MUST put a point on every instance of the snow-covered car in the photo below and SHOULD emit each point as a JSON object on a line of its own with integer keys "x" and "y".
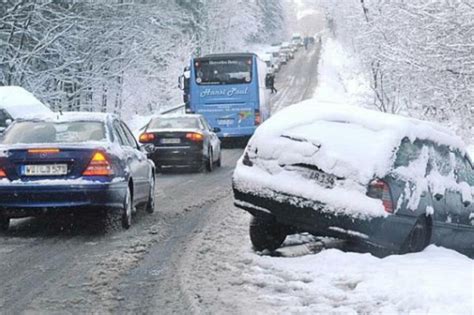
{"x": 16, "y": 102}
{"x": 353, "y": 173}
{"x": 76, "y": 162}
{"x": 182, "y": 140}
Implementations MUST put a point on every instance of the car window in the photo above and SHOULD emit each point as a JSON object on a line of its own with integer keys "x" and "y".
{"x": 3, "y": 118}
{"x": 174, "y": 123}
{"x": 463, "y": 169}
{"x": 129, "y": 135}
{"x": 407, "y": 152}
{"x": 55, "y": 132}
{"x": 122, "y": 139}
{"x": 205, "y": 124}
{"x": 440, "y": 159}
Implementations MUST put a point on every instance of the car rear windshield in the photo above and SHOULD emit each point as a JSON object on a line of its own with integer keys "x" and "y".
{"x": 174, "y": 123}
{"x": 236, "y": 70}
{"x": 54, "y": 132}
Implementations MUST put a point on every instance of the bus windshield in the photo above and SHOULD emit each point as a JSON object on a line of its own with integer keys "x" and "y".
{"x": 223, "y": 70}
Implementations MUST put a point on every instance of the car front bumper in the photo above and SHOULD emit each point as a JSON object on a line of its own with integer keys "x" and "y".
{"x": 29, "y": 199}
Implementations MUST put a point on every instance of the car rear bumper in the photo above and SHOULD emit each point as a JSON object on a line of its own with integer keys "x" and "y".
{"x": 177, "y": 157}
{"x": 236, "y": 132}
{"x": 389, "y": 232}
{"x": 22, "y": 200}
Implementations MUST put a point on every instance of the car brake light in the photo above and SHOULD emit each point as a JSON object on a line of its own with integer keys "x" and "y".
{"x": 379, "y": 189}
{"x": 258, "y": 118}
{"x": 98, "y": 166}
{"x": 2, "y": 173}
{"x": 194, "y": 136}
{"x": 43, "y": 151}
{"x": 146, "y": 137}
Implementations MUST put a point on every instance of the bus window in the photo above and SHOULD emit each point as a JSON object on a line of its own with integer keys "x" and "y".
{"x": 223, "y": 71}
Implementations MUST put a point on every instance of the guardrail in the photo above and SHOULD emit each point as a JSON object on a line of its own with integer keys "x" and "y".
{"x": 173, "y": 110}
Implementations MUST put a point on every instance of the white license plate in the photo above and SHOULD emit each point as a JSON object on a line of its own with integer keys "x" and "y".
{"x": 45, "y": 170}
{"x": 226, "y": 122}
{"x": 171, "y": 141}
{"x": 324, "y": 179}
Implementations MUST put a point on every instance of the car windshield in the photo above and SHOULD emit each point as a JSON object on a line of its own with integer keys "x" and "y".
{"x": 224, "y": 71}
{"x": 174, "y": 123}
{"x": 54, "y": 132}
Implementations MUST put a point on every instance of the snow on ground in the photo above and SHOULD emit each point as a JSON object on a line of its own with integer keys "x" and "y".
{"x": 340, "y": 78}
{"x": 222, "y": 274}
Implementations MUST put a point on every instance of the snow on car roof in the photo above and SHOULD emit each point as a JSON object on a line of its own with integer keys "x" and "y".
{"x": 347, "y": 141}
{"x": 18, "y": 102}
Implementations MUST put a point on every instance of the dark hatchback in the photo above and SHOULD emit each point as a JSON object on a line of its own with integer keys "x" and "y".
{"x": 182, "y": 141}
{"x": 425, "y": 197}
{"x": 76, "y": 162}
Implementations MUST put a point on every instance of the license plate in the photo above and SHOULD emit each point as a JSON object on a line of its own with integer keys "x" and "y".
{"x": 171, "y": 141}
{"x": 226, "y": 121}
{"x": 45, "y": 170}
{"x": 323, "y": 179}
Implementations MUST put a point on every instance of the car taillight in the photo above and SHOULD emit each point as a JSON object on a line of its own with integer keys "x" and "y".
{"x": 146, "y": 137}
{"x": 43, "y": 151}
{"x": 258, "y": 118}
{"x": 98, "y": 166}
{"x": 379, "y": 189}
{"x": 195, "y": 136}
{"x": 3, "y": 174}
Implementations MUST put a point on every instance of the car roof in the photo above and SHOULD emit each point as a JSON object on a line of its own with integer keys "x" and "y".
{"x": 18, "y": 102}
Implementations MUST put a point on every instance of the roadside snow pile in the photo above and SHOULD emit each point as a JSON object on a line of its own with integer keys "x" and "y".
{"x": 435, "y": 281}
{"x": 340, "y": 79}
{"x": 349, "y": 142}
{"x": 20, "y": 103}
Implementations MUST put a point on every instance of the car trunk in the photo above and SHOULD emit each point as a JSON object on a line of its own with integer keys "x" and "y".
{"x": 175, "y": 139}
{"x": 54, "y": 162}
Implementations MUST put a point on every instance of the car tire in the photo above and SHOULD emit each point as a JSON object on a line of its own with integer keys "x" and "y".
{"x": 150, "y": 205}
{"x": 4, "y": 224}
{"x": 210, "y": 162}
{"x": 219, "y": 161}
{"x": 266, "y": 233}
{"x": 419, "y": 236}
{"x": 127, "y": 210}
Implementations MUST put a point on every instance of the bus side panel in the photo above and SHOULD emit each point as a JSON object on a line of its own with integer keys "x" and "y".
{"x": 264, "y": 93}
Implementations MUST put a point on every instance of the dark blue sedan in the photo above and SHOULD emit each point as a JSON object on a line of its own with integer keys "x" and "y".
{"x": 73, "y": 162}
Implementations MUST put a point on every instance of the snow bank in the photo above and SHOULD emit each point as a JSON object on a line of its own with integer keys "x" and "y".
{"x": 435, "y": 281}
{"x": 20, "y": 103}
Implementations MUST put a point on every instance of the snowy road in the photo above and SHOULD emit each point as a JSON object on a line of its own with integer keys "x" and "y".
{"x": 54, "y": 265}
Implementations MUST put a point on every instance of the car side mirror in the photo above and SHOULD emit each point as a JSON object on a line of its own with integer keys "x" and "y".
{"x": 216, "y": 129}
{"x": 8, "y": 122}
{"x": 181, "y": 82}
{"x": 466, "y": 203}
{"x": 148, "y": 148}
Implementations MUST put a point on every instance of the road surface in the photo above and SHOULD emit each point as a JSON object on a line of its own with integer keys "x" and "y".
{"x": 57, "y": 265}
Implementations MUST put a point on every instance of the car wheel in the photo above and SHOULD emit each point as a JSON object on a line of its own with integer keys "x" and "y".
{"x": 150, "y": 206}
{"x": 127, "y": 210}
{"x": 219, "y": 161}
{"x": 266, "y": 233}
{"x": 418, "y": 238}
{"x": 4, "y": 223}
{"x": 210, "y": 162}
